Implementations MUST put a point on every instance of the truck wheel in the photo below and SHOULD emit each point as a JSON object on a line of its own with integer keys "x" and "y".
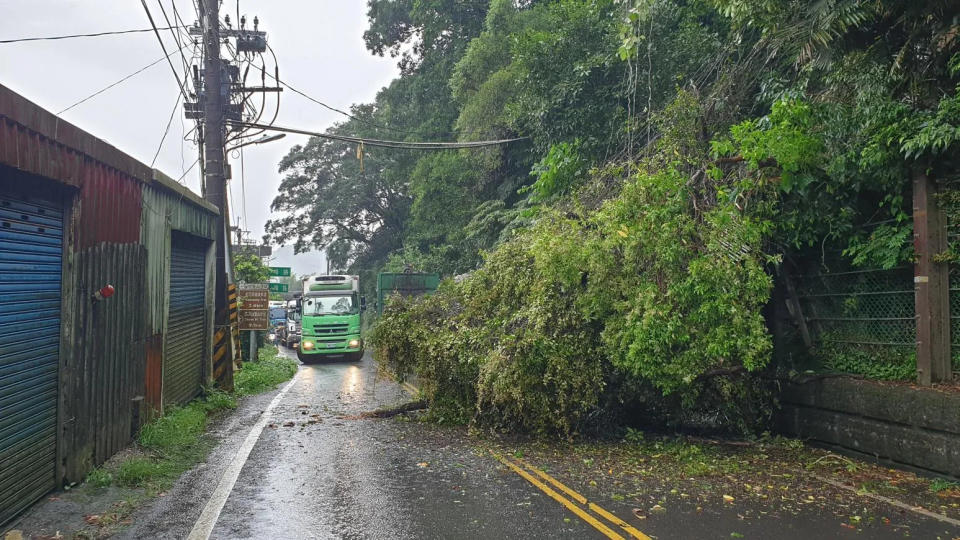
{"x": 303, "y": 357}
{"x": 355, "y": 356}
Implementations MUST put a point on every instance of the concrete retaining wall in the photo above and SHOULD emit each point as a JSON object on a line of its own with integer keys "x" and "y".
{"x": 916, "y": 427}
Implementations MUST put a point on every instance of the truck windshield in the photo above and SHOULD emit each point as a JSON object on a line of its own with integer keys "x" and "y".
{"x": 329, "y": 305}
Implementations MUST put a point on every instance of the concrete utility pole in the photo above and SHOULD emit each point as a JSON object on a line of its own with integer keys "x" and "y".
{"x": 214, "y": 95}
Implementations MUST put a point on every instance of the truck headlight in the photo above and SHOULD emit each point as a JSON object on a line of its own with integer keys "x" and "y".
{"x": 353, "y": 343}
{"x": 308, "y": 345}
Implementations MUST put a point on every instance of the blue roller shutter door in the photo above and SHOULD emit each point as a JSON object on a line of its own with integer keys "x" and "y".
{"x": 186, "y": 324}
{"x": 31, "y": 252}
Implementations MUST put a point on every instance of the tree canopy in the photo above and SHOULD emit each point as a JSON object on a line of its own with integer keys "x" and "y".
{"x": 678, "y": 153}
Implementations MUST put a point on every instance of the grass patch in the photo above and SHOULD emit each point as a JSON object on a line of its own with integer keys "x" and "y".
{"x": 170, "y": 445}
{"x": 266, "y": 373}
{"x": 938, "y": 485}
{"x": 99, "y": 478}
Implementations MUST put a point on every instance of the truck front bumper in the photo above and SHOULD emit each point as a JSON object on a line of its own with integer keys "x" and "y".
{"x": 330, "y": 345}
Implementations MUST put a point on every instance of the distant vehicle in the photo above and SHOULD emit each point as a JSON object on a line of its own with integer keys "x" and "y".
{"x": 330, "y": 318}
{"x": 404, "y": 284}
{"x": 278, "y": 315}
{"x": 289, "y": 333}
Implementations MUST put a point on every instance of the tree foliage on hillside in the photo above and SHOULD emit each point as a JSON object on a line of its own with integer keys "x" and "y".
{"x": 678, "y": 153}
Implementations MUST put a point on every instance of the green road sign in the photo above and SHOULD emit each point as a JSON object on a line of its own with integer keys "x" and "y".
{"x": 280, "y": 271}
{"x": 279, "y": 287}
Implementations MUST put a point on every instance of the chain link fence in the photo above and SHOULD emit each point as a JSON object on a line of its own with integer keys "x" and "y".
{"x": 862, "y": 321}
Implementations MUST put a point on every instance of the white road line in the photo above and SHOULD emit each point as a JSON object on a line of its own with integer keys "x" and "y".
{"x": 211, "y": 512}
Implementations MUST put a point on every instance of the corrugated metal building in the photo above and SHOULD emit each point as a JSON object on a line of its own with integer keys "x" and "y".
{"x": 79, "y": 376}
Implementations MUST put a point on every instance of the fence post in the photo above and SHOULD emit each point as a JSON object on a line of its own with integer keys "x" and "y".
{"x": 931, "y": 283}
{"x": 796, "y": 310}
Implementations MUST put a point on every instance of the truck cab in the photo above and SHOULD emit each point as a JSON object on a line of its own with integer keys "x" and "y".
{"x": 330, "y": 311}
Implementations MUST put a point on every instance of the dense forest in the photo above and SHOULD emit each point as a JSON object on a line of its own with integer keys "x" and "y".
{"x": 676, "y": 157}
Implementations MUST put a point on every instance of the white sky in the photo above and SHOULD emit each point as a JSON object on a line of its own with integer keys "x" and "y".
{"x": 319, "y": 45}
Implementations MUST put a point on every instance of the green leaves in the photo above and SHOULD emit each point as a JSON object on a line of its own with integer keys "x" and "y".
{"x": 250, "y": 269}
{"x": 641, "y": 290}
{"x": 560, "y": 170}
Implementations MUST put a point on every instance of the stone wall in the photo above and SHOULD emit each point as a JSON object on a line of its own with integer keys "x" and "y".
{"x": 917, "y": 427}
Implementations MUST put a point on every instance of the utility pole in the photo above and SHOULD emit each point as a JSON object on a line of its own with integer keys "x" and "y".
{"x": 217, "y": 85}
{"x": 215, "y": 183}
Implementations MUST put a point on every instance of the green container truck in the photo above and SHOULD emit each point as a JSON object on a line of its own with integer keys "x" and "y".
{"x": 330, "y": 318}
{"x": 405, "y": 284}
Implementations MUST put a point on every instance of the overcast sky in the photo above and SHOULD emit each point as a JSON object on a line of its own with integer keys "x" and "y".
{"x": 319, "y": 45}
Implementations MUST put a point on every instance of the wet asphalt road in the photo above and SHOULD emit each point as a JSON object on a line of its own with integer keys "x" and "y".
{"x": 333, "y": 475}
{"x": 318, "y": 470}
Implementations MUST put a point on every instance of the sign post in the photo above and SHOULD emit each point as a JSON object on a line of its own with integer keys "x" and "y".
{"x": 254, "y": 311}
{"x": 279, "y": 287}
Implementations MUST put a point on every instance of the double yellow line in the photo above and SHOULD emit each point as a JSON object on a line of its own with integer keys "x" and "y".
{"x": 524, "y": 469}
{"x": 518, "y": 466}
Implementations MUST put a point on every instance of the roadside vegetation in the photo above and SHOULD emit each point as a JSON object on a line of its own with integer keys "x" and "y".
{"x": 666, "y": 475}
{"x": 172, "y": 444}
{"x": 678, "y": 160}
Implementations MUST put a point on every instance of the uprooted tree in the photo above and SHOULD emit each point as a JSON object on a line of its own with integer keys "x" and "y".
{"x": 621, "y": 260}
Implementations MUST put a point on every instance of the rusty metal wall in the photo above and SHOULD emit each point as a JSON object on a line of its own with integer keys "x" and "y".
{"x": 35, "y": 141}
{"x": 153, "y": 377}
{"x": 119, "y": 217}
{"x": 105, "y": 374}
{"x": 109, "y": 207}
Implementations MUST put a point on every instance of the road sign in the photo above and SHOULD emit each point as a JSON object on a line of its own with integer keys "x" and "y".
{"x": 254, "y": 296}
{"x": 254, "y": 300}
{"x": 279, "y": 287}
{"x": 254, "y": 319}
{"x": 279, "y": 271}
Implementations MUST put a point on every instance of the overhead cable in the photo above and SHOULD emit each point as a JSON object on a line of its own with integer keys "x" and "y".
{"x": 156, "y": 31}
{"x": 372, "y": 124}
{"x": 96, "y": 34}
{"x": 406, "y": 145}
{"x": 176, "y": 39}
{"x": 166, "y": 130}
{"x": 330, "y": 107}
{"x": 104, "y": 89}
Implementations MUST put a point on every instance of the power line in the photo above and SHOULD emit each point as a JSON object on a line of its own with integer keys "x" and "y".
{"x": 345, "y": 113}
{"x": 336, "y": 110}
{"x": 176, "y": 38}
{"x": 164, "y": 47}
{"x": 104, "y": 89}
{"x": 97, "y": 34}
{"x": 182, "y": 176}
{"x": 406, "y": 145}
{"x": 176, "y": 107}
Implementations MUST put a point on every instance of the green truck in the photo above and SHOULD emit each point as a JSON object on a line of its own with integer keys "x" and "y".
{"x": 330, "y": 318}
{"x": 404, "y": 284}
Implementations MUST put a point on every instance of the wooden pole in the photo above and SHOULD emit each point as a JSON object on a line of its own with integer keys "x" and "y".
{"x": 931, "y": 284}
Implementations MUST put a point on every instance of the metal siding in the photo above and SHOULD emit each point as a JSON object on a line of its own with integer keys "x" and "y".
{"x": 31, "y": 251}
{"x": 110, "y": 207}
{"x": 38, "y": 142}
{"x": 163, "y": 212}
{"x": 186, "y": 337}
{"x": 154, "y": 375}
{"x": 108, "y": 369}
